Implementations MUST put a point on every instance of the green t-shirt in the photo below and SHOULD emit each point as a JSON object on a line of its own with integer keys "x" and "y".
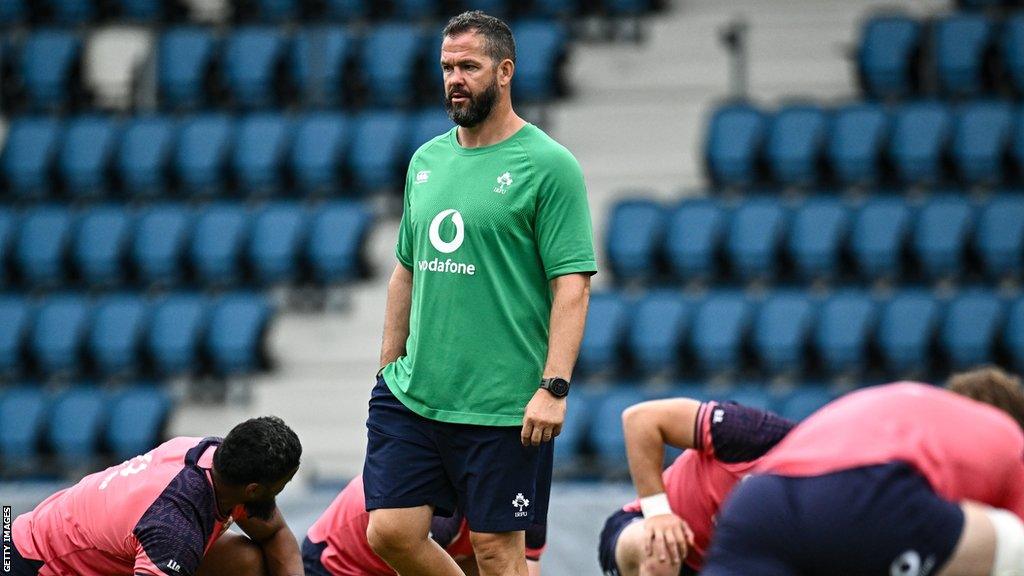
{"x": 484, "y": 230}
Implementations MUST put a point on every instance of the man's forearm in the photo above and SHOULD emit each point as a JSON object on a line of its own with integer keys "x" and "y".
{"x": 281, "y": 554}
{"x": 571, "y": 294}
{"x": 396, "y": 315}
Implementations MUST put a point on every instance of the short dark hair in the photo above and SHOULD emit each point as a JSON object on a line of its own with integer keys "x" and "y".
{"x": 262, "y": 450}
{"x": 498, "y": 40}
{"x": 991, "y": 385}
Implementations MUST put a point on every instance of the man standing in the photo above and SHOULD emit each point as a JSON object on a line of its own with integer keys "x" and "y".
{"x": 484, "y": 318}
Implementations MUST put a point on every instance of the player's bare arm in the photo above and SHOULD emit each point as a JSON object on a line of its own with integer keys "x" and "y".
{"x": 396, "y": 315}
{"x": 281, "y": 554}
{"x": 545, "y": 413}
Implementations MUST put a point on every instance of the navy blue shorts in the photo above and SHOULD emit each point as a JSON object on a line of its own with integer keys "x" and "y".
{"x": 609, "y": 540}
{"x": 869, "y": 521}
{"x": 311, "y": 553}
{"x": 484, "y": 471}
{"x": 21, "y": 566}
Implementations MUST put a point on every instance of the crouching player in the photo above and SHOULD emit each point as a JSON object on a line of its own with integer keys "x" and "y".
{"x": 668, "y": 529}
{"x": 336, "y": 544}
{"x": 165, "y": 513}
{"x": 905, "y": 479}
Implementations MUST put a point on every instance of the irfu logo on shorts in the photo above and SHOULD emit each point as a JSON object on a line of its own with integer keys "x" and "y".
{"x": 521, "y": 503}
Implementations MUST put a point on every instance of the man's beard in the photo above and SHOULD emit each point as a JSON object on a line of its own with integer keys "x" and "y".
{"x": 476, "y": 110}
{"x": 261, "y": 509}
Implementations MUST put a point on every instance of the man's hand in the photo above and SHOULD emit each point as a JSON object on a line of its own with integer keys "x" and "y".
{"x": 667, "y": 538}
{"x": 543, "y": 419}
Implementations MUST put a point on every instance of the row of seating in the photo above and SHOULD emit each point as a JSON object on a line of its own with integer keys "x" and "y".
{"x": 943, "y": 237}
{"x": 988, "y": 4}
{"x": 220, "y": 244}
{"x": 118, "y": 335}
{"x": 79, "y": 424}
{"x": 263, "y": 154}
{"x": 979, "y": 143}
{"x": 968, "y": 54}
{"x": 794, "y": 333}
{"x": 390, "y": 65}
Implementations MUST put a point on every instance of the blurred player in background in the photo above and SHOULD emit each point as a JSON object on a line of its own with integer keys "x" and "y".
{"x": 903, "y": 479}
{"x": 336, "y": 544}
{"x": 165, "y": 513}
{"x": 484, "y": 318}
{"x": 667, "y": 530}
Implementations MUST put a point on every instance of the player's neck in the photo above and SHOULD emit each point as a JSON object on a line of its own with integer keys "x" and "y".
{"x": 499, "y": 126}
{"x": 223, "y": 494}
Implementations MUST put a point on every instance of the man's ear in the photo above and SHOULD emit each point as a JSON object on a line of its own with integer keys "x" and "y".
{"x": 506, "y": 70}
{"x": 253, "y": 490}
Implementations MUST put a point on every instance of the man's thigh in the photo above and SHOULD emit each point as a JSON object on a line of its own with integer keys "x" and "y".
{"x": 233, "y": 554}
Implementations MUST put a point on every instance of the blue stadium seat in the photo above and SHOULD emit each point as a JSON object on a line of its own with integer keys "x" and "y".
{"x": 962, "y": 43}
{"x": 886, "y": 59}
{"x": 204, "y": 147}
{"x": 981, "y": 138}
{"x": 880, "y": 233}
{"x": 906, "y": 331}
{"x": 425, "y": 126}
{"x": 803, "y": 402}
{"x": 86, "y": 152}
{"x": 794, "y": 146}
{"x": 552, "y": 10}
{"x": 719, "y": 331}
{"x": 606, "y": 434}
{"x": 13, "y": 12}
{"x": 753, "y": 395}
{"x": 1012, "y": 53}
{"x": 817, "y": 237}
{"x": 319, "y": 151}
{"x": 845, "y": 326}
{"x": 1013, "y": 335}
{"x": 634, "y": 239}
{"x": 735, "y": 136}
{"x": 219, "y": 236}
{"x": 253, "y": 57}
{"x": 142, "y": 10}
{"x": 275, "y": 250}
{"x": 576, "y": 427}
{"x": 319, "y": 62}
{"x": 177, "y": 327}
{"x": 58, "y": 334}
{"x": 604, "y": 335}
{"x": 1000, "y": 236}
{"x": 143, "y": 160}
{"x": 541, "y": 48}
{"x": 101, "y": 243}
{"x": 48, "y": 68}
{"x": 782, "y": 330}
{"x": 184, "y": 62}
{"x": 377, "y": 148}
{"x": 161, "y": 237}
{"x": 71, "y": 12}
{"x": 414, "y": 9}
{"x": 941, "y": 236}
{"x": 138, "y": 416}
{"x": 388, "y": 59}
{"x": 15, "y": 322}
{"x": 658, "y": 328}
{"x": 23, "y": 411}
{"x": 77, "y": 417}
{"x": 856, "y": 140}
{"x": 756, "y": 232}
{"x": 347, "y": 10}
{"x": 694, "y": 239}
{"x": 497, "y": 8}
{"x": 970, "y": 329}
{"x": 29, "y": 155}
{"x": 278, "y": 10}
{"x": 627, "y": 7}
{"x": 114, "y": 343}
{"x": 336, "y": 240}
{"x": 260, "y": 152}
{"x": 8, "y": 232}
{"x": 42, "y": 246}
{"x": 238, "y": 327}
{"x": 919, "y": 137}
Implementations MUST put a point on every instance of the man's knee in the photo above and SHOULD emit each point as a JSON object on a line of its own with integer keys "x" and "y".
{"x": 391, "y": 533}
{"x": 233, "y": 554}
{"x": 629, "y": 549}
{"x": 500, "y": 552}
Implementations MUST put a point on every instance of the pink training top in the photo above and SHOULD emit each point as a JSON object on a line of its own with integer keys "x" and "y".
{"x": 965, "y": 449}
{"x": 728, "y": 439}
{"x": 155, "y": 514}
{"x": 343, "y": 527}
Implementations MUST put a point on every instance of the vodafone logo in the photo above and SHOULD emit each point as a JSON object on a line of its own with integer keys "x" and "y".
{"x": 435, "y": 229}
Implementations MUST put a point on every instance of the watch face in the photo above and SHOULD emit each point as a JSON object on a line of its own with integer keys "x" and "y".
{"x": 559, "y": 387}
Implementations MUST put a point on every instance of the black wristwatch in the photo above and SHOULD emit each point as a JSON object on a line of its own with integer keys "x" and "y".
{"x": 559, "y": 387}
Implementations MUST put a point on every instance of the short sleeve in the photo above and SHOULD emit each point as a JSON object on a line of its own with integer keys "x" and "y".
{"x": 563, "y": 230}
{"x": 403, "y": 250}
{"x": 733, "y": 433}
{"x": 167, "y": 550}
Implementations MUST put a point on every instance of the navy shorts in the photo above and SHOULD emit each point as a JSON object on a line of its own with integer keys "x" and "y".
{"x": 483, "y": 471}
{"x": 613, "y": 528}
{"x": 311, "y": 553}
{"x": 21, "y": 566}
{"x": 875, "y": 520}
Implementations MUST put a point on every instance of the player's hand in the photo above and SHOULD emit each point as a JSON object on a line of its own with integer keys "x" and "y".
{"x": 543, "y": 419}
{"x": 667, "y": 538}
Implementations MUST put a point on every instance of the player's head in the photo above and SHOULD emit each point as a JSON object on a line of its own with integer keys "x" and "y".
{"x": 478, "y": 56}
{"x": 257, "y": 459}
{"x": 991, "y": 385}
